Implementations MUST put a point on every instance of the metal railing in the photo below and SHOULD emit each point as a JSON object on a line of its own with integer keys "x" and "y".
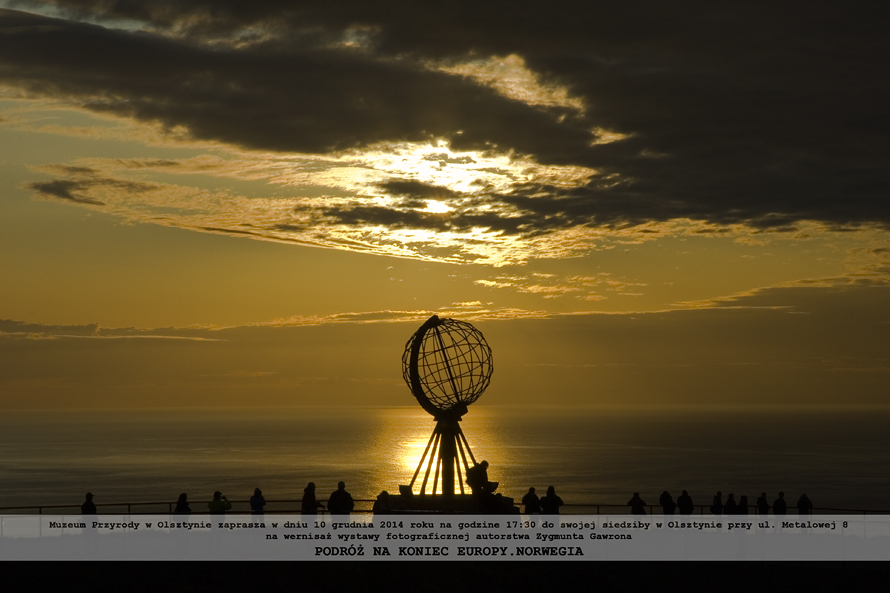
{"x": 292, "y": 506}
{"x": 705, "y": 509}
{"x": 363, "y": 506}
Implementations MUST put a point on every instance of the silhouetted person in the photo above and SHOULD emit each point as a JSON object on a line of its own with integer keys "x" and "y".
{"x": 804, "y": 506}
{"x": 381, "y": 505}
{"x": 477, "y": 479}
{"x": 717, "y": 504}
{"x": 182, "y": 505}
{"x": 219, "y": 505}
{"x": 637, "y": 505}
{"x": 742, "y": 508}
{"x": 88, "y": 508}
{"x": 779, "y": 505}
{"x": 667, "y": 503}
{"x": 551, "y": 502}
{"x": 684, "y": 503}
{"x": 340, "y": 502}
{"x": 257, "y": 502}
{"x": 532, "y": 502}
{"x": 730, "y": 507}
{"x": 310, "y": 505}
{"x": 762, "y": 504}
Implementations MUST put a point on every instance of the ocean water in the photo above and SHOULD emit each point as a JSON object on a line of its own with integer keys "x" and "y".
{"x": 839, "y": 458}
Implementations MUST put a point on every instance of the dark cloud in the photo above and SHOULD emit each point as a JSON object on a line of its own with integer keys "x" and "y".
{"x": 270, "y": 96}
{"x": 86, "y": 181}
{"x": 369, "y": 215}
{"x": 39, "y": 331}
{"x": 756, "y": 113}
{"x": 416, "y": 190}
{"x": 73, "y": 170}
{"x": 9, "y": 326}
{"x": 62, "y": 189}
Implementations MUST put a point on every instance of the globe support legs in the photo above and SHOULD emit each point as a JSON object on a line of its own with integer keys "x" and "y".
{"x": 446, "y": 451}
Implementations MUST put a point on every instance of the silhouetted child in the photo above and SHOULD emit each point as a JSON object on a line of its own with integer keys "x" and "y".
{"x": 667, "y": 503}
{"x": 551, "y": 502}
{"x": 637, "y": 505}
{"x": 532, "y": 502}
{"x": 684, "y": 503}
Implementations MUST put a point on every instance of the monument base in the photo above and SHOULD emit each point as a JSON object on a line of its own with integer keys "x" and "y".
{"x": 469, "y": 504}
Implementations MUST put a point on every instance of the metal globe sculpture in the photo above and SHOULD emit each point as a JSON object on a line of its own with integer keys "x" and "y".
{"x": 447, "y": 365}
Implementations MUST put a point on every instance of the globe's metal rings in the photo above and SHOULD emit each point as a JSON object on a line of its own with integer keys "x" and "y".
{"x": 447, "y": 364}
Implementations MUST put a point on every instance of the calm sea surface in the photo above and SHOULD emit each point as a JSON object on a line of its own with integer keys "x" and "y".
{"x": 840, "y": 459}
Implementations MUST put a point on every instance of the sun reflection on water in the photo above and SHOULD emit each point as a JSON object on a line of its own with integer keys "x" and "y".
{"x": 402, "y": 436}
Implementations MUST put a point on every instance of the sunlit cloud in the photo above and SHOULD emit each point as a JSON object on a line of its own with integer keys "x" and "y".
{"x": 460, "y": 311}
{"x": 510, "y": 77}
{"x": 465, "y": 145}
{"x": 558, "y": 286}
{"x": 374, "y": 203}
{"x": 443, "y": 216}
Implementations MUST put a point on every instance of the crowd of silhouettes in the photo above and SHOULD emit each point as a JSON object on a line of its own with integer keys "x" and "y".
{"x": 718, "y": 507}
{"x": 546, "y": 505}
{"x": 340, "y": 502}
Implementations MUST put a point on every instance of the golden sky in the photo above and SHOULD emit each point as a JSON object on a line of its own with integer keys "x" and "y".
{"x": 259, "y": 205}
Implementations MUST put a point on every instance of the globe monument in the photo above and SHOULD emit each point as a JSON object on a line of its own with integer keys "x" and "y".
{"x": 447, "y": 365}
